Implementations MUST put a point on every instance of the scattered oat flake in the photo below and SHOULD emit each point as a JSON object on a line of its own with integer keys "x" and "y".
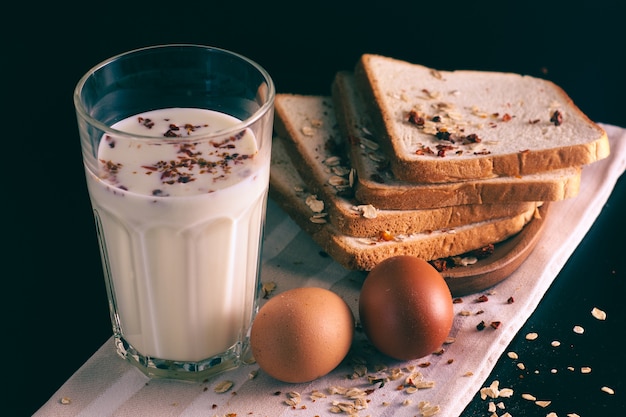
{"x": 65, "y": 400}
{"x": 267, "y": 288}
{"x": 552, "y": 414}
{"x": 521, "y": 366}
{"x": 512, "y": 355}
{"x": 599, "y": 314}
{"x": 585, "y": 370}
{"x": 555, "y": 343}
{"x": 543, "y": 403}
{"x": 492, "y": 391}
{"x": 529, "y": 397}
{"x": 578, "y": 329}
{"x": 573, "y": 415}
{"x": 307, "y": 131}
{"x": 427, "y": 410}
{"x": 608, "y": 390}
{"x": 293, "y": 398}
{"x": 316, "y": 206}
{"x": 505, "y": 393}
{"x": 223, "y": 386}
{"x": 532, "y": 336}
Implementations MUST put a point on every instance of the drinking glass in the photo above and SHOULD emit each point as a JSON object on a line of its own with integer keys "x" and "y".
{"x": 176, "y": 144}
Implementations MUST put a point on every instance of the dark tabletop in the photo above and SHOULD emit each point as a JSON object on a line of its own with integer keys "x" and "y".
{"x": 55, "y": 307}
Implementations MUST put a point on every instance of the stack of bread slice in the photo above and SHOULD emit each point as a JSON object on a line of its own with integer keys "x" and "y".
{"x": 402, "y": 159}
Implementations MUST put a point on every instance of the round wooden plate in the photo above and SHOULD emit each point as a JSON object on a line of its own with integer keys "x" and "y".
{"x": 505, "y": 259}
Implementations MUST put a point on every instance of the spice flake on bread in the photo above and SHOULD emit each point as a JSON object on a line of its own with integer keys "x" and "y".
{"x": 445, "y": 126}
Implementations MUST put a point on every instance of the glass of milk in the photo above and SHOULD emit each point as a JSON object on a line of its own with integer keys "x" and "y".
{"x": 176, "y": 143}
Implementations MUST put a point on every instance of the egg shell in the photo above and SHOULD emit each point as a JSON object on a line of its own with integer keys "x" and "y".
{"x": 405, "y": 308}
{"x": 302, "y": 334}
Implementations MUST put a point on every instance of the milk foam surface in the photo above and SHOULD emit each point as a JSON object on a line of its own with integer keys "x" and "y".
{"x": 180, "y": 225}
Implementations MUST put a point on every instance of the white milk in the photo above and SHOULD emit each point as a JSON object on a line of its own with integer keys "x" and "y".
{"x": 182, "y": 247}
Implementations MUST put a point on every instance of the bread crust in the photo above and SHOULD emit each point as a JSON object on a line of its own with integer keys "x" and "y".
{"x": 576, "y": 142}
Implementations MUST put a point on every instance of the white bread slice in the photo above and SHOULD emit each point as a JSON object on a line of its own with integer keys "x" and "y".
{"x": 351, "y": 219}
{"x": 310, "y": 125}
{"x": 361, "y": 253}
{"x": 375, "y": 181}
{"x": 510, "y": 114}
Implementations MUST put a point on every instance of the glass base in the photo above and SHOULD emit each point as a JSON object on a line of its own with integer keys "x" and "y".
{"x": 188, "y": 371}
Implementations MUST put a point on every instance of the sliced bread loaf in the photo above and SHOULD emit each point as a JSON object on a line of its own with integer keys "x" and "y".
{"x": 363, "y": 253}
{"x": 327, "y": 205}
{"x": 443, "y": 126}
{"x": 309, "y": 125}
{"x": 375, "y": 181}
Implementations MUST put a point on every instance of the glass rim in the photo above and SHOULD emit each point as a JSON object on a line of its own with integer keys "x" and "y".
{"x": 242, "y": 124}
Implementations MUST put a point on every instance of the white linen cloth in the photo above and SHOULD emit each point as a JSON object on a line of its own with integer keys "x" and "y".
{"x": 108, "y": 386}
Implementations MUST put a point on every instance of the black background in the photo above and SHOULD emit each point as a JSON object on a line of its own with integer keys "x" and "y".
{"x": 55, "y": 310}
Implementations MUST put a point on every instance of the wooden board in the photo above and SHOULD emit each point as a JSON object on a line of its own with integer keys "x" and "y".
{"x": 505, "y": 259}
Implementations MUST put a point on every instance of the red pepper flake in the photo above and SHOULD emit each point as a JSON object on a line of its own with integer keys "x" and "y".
{"x": 557, "y": 118}
{"x": 482, "y": 299}
{"x": 481, "y": 326}
{"x": 424, "y": 150}
{"x": 510, "y": 300}
{"x": 534, "y": 122}
{"x": 450, "y": 361}
{"x": 471, "y": 138}
{"x": 506, "y": 117}
{"x": 441, "y": 150}
{"x": 415, "y": 118}
{"x": 146, "y": 122}
{"x": 110, "y": 140}
{"x": 495, "y": 324}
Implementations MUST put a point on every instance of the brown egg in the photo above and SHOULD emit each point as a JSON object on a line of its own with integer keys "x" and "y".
{"x": 302, "y": 334}
{"x": 405, "y": 308}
